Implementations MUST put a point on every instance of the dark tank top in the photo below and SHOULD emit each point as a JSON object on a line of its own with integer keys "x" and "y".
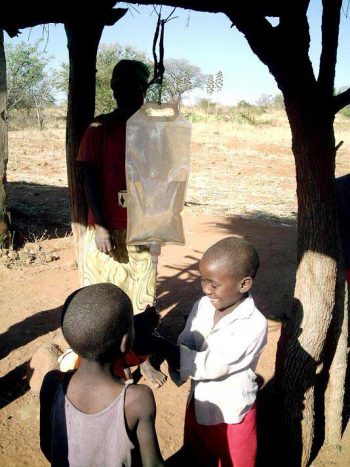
{"x": 89, "y": 440}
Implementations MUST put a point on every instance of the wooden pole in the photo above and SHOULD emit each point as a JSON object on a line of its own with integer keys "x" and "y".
{"x": 83, "y": 39}
{"x": 4, "y": 220}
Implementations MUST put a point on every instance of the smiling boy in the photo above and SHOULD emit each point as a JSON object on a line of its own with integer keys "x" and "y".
{"x": 219, "y": 348}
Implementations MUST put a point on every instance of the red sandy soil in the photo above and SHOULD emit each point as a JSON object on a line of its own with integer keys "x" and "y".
{"x": 251, "y": 195}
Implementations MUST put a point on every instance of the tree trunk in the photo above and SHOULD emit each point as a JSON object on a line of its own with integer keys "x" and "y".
{"x": 338, "y": 349}
{"x": 318, "y": 256}
{"x": 83, "y": 40}
{"x": 4, "y": 221}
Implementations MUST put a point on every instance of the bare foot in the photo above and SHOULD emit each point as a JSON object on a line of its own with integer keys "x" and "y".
{"x": 157, "y": 378}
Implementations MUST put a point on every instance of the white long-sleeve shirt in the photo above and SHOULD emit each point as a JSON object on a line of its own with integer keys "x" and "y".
{"x": 221, "y": 360}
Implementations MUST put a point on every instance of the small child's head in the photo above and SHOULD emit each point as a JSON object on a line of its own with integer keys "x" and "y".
{"x": 228, "y": 268}
{"x": 129, "y": 84}
{"x": 97, "y": 322}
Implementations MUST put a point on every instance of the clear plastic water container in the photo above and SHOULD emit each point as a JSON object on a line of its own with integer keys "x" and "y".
{"x": 157, "y": 164}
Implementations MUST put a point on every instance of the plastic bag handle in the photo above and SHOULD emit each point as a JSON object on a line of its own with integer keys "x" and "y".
{"x": 166, "y": 118}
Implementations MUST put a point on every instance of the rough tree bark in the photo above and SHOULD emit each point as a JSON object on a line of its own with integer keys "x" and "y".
{"x": 338, "y": 347}
{"x": 83, "y": 39}
{"x": 318, "y": 256}
{"x": 310, "y": 109}
{"x": 4, "y": 225}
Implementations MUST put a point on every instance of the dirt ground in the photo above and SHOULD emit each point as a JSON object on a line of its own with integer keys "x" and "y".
{"x": 232, "y": 191}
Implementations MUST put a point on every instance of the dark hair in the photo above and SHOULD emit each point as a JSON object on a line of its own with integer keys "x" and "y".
{"x": 237, "y": 256}
{"x": 95, "y": 319}
{"x": 129, "y": 70}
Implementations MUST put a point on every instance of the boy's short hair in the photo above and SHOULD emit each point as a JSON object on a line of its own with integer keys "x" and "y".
{"x": 95, "y": 319}
{"x": 236, "y": 255}
{"x": 126, "y": 71}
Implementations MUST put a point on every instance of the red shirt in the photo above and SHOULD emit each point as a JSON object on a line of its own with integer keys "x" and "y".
{"x": 103, "y": 146}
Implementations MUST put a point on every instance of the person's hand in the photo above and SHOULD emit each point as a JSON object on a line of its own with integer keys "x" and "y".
{"x": 103, "y": 240}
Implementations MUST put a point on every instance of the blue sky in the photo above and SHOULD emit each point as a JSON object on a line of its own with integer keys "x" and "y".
{"x": 205, "y": 40}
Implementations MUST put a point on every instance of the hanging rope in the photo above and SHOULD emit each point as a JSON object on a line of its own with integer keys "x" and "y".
{"x": 158, "y": 70}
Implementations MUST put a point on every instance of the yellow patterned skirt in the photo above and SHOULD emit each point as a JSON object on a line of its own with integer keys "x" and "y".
{"x": 130, "y": 268}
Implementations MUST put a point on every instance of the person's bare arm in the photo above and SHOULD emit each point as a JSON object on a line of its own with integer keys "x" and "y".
{"x": 140, "y": 411}
{"x": 94, "y": 196}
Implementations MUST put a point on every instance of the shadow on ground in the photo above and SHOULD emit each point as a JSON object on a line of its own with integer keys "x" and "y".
{"x": 274, "y": 284}
{"x": 14, "y": 384}
{"x": 38, "y": 210}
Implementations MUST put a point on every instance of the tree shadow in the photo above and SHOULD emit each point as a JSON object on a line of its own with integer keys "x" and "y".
{"x": 13, "y": 385}
{"x": 180, "y": 292}
{"x": 30, "y": 328}
{"x": 38, "y": 210}
{"x": 273, "y": 287}
{"x": 280, "y": 405}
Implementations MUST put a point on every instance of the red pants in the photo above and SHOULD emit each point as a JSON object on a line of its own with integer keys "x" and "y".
{"x": 221, "y": 445}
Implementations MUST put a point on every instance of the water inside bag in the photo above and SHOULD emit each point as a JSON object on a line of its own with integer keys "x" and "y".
{"x": 157, "y": 165}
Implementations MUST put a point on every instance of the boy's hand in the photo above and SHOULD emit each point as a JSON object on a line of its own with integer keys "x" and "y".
{"x": 168, "y": 350}
{"x": 103, "y": 240}
{"x": 145, "y": 323}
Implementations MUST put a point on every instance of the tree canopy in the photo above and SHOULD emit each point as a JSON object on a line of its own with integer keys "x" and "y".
{"x": 30, "y": 82}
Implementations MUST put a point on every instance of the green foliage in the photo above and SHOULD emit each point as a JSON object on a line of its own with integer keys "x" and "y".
{"x": 278, "y": 101}
{"x": 265, "y": 100}
{"x": 180, "y": 77}
{"x": 210, "y": 85}
{"x": 246, "y": 117}
{"x": 31, "y": 85}
{"x": 107, "y": 57}
{"x": 345, "y": 112}
{"x": 219, "y": 81}
{"x": 205, "y": 104}
{"x": 195, "y": 117}
{"x": 244, "y": 104}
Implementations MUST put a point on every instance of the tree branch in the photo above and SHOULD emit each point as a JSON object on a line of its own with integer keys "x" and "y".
{"x": 283, "y": 48}
{"x": 330, "y": 32}
{"x": 341, "y": 100}
{"x": 23, "y": 14}
{"x": 265, "y": 7}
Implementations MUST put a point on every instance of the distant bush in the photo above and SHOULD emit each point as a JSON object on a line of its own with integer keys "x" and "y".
{"x": 246, "y": 117}
{"x": 196, "y": 117}
{"x": 55, "y": 117}
{"x": 244, "y": 104}
{"x": 205, "y": 105}
{"x": 345, "y": 112}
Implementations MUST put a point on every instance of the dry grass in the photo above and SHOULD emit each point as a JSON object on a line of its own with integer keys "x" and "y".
{"x": 236, "y": 168}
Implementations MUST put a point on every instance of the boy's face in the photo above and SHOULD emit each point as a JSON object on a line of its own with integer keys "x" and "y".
{"x": 130, "y": 96}
{"x": 223, "y": 290}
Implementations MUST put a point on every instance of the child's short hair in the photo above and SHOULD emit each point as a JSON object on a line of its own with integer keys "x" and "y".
{"x": 236, "y": 255}
{"x": 95, "y": 319}
{"x": 129, "y": 70}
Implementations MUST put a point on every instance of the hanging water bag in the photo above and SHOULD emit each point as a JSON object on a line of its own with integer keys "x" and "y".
{"x": 157, "y": 167}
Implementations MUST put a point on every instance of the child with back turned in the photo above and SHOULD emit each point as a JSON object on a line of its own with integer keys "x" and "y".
{"x": 219, "y": 350}
{"x": 89, "y": 416}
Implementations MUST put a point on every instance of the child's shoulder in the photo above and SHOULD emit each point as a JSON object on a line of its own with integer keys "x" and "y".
{"x": 139, "y": 401}
{"x": 138, "y": 394}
